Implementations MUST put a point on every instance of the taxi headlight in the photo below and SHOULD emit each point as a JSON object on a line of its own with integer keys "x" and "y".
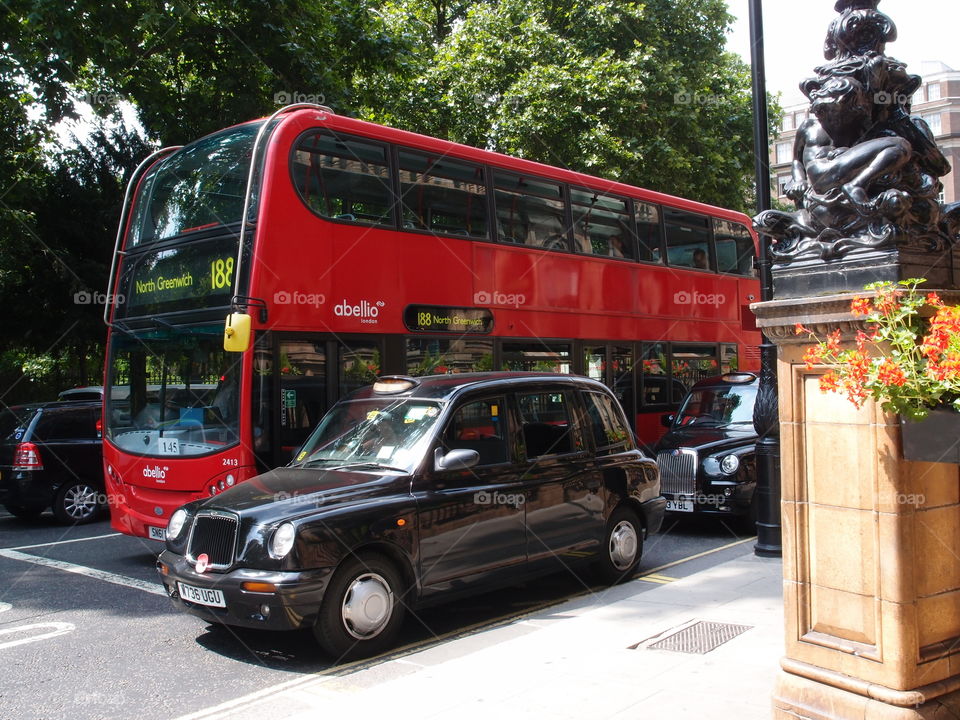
{"x": 175, "y": 526}
{"x": 282, "y": 540}
{"x": 730, "y": 464}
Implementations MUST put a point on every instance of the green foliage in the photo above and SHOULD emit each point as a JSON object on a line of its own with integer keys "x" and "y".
{"x": 638, "y": 92}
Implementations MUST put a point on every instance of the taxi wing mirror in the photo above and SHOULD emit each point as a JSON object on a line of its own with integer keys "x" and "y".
{"x": 459, "y": 459}
{"x": 236, "y": 332}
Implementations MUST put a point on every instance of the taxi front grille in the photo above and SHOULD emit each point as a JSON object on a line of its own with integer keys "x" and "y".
{"x": 214, "y": 536}
{"x": 678, "y": 471}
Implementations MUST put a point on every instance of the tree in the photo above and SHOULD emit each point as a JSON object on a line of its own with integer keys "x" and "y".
{"x": 638, "y": 92}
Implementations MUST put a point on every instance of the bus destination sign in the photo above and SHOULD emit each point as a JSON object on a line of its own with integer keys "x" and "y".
{"x": 195, "y": 276}
{"x": 437, "y": 319}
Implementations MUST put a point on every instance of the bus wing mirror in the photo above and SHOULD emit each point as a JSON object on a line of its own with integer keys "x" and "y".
{"x": 236, "y": 333}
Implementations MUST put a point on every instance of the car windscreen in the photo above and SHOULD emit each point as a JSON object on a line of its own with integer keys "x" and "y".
{"x": 718, "y": 406}
{"x": 379, "y": 432}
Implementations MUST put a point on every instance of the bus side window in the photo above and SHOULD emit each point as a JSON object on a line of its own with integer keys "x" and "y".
{"x": 442, "y": 195}
{"x": 735, "y": 249}
{"x": 343, "y": 178}
{"x": 530, "y": 211}
{"x": 688, "y": 239}
{"x": 601, "y": 224}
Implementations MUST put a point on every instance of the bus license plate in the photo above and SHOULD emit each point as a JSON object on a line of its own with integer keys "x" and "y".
{"x": 680, "y": 505}
{"x": 157, "y": 533}
{"x": 201, "y": 596}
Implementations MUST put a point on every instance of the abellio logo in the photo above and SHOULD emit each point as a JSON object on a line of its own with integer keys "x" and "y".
{"x": 160, "y": 473}
{"x": 685, "y": 297}
{"x": 366, "y": 311}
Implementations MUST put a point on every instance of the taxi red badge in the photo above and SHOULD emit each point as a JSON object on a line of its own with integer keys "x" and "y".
{"x": 202, "y": 562}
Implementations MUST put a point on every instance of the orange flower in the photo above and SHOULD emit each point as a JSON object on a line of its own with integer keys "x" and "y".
{"x": 813, "y": 356}
{"x": 833, "y": 341}
{"x": 934, "y": 299}
{"x": 799, "y": 329}
{"x": 830, "y": 382}
{"x": 860, "y": 306}
{"x": 889, "y": 373}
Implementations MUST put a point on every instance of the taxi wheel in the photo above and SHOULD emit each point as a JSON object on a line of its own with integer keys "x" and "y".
{"x": 78, "y": 502}
{"x": 622, "y": 547}
{"x": 361, "y": 612}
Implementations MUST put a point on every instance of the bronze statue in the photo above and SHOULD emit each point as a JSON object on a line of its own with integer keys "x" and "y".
{"x": 865, "y": 173}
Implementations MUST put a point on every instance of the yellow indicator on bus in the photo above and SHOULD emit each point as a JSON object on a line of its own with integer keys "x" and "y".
{"x": 301, "y": 456}
{"x": 494, "y": 410}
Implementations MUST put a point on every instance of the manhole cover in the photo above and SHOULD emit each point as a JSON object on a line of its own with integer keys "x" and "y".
{"x": 699, "y": 637}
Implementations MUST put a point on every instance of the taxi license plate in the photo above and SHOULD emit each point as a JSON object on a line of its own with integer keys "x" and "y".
{"x": 201, "y": 596}
{"x": 680, "y": 505}
{"x": 157, "y": 533}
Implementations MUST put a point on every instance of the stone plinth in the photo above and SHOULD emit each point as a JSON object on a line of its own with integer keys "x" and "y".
{"x": 871, "y": 547}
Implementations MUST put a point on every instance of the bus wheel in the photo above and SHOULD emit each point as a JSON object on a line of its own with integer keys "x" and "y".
{"x": 361, "y": 612}
{"x": 622, "y": 547}
{"x": 77, "y": 502}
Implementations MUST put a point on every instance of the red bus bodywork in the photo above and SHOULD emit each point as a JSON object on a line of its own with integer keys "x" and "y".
{"x": 337, "y": 282}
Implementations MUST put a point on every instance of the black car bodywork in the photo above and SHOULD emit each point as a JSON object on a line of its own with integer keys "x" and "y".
{"x": 51, "y": 456}
{"x": 514, "y": 475}
{"x": 706, "y": 459}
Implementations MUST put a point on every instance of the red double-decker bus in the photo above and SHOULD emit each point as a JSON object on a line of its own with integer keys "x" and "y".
{"x": 354, "y": 250}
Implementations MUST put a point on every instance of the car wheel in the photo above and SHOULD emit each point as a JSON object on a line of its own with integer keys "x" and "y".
{"x": 78, "y": 502}
{"x": 26, "y": 512}
{"x": 622, "y": 547}
{"x": 361, "y": 611}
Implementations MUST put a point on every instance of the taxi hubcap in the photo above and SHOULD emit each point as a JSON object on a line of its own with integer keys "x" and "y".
{"x": 623, "y": 545}
{"x": 367, "y": 606}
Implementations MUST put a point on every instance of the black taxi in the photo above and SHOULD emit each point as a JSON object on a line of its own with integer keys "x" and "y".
{"x": 417, "y": 490}
{"x": 706, "y": 458}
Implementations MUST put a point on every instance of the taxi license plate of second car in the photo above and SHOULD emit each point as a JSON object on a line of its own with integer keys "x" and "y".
{"x": 680, "y": 504}
{"x": 353, "y": 532}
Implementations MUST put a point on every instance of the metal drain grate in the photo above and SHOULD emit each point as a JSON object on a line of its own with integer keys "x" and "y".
{"x": 699, "y": 637}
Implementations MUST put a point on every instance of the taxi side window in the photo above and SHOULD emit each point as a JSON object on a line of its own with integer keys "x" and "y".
{"x": 480, "y": 426}
{"x": 546, "y": 425}
{"x": 609, "y": 433}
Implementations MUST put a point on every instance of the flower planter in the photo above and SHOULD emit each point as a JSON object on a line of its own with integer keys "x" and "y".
{"x": 936, "y": 438}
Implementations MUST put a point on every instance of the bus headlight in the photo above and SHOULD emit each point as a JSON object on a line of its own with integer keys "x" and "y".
{"x": 730, "y": 464}
{"x": 175, "y": 526}
{"x": 282, "y": 540}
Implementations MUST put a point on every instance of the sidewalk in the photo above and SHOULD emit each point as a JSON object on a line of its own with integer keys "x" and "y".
{"x": 574, "y": 661}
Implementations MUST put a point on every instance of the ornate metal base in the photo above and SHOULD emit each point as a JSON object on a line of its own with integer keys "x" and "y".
{"x": 813, "y": 278}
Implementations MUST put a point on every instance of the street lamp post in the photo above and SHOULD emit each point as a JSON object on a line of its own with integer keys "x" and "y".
{"x": 766, "y": 412}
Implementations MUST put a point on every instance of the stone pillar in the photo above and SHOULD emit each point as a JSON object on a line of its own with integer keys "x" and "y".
{"x": 871, "y": 547}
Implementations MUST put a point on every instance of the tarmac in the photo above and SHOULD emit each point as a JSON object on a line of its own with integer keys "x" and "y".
{"x": 636, "y": 650}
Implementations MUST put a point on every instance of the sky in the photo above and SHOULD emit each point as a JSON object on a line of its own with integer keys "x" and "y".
{"x": 794, "y": 31}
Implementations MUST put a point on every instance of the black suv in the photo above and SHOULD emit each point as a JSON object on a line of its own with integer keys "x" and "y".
{"x": 415, "y": 490}
{"x": 706, "y": 459}
{"x": 51, "y": 456}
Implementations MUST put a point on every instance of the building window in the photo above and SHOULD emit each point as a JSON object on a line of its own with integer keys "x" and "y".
{"x": 933, "y": 120}
{"x": 933, "y": 91}
{"x": 788, "y": 121}
{"x": 918, "y": 97}
{"x": 782, "y": 181}
{"x": 784, "y": 153}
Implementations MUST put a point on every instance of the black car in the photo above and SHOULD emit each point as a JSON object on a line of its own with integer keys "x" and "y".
{"x": 51, "y": 457}
{"x": 413, "y": 491}
{"x": 706, "y": 459}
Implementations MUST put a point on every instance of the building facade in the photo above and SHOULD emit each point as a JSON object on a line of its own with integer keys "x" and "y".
{"x": 937, "y": 101}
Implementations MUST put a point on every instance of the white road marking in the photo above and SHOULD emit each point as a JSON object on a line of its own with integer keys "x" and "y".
{"x": 5, "y": 606}
{"x": 65, "y": 542}
{"x": 54, "y": 629}
{"x": 150, "y": 587}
